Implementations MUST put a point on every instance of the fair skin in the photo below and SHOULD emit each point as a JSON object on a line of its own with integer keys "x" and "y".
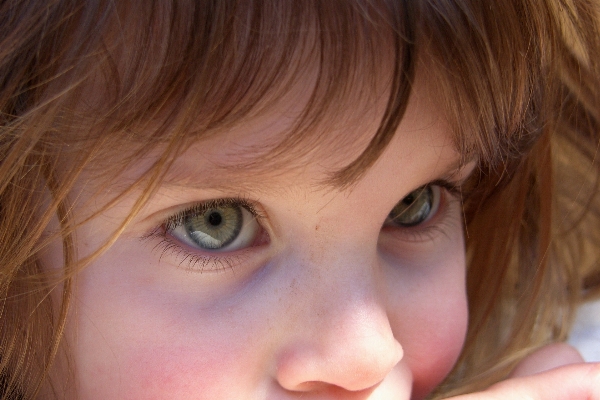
{"x": 325, "y": 300}
{"x": 322, "y": 296}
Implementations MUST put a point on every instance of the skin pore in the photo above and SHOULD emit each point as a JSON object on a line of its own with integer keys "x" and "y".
{"x": 321, "y": 296}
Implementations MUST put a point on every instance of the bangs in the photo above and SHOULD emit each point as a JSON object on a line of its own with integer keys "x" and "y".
{"x": 173, "y": 73}
{"x": 156, "y": 73}
{"x": 98, "y": 85}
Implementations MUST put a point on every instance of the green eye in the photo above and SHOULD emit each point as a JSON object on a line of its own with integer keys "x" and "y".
{"x": 417, "y": 207}
{"x": 216, "y": 227}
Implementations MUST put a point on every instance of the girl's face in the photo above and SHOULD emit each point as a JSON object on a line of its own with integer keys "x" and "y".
{"x": 266, "y": 283}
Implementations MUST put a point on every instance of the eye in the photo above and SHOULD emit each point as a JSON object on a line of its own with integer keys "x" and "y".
{"x": 416, "y": 208}
{"x": 220, "y": 225}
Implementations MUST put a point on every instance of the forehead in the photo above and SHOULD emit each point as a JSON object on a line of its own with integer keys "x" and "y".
{"x": 266, "y": 109}
{"x": 244, "y": 155}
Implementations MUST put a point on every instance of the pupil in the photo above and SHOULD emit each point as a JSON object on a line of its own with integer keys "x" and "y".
{"x": 215, "y": 218}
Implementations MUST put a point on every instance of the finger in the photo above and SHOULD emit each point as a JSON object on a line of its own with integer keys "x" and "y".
{"x": 548, "y": 357}
{"x": 571, "y": 382}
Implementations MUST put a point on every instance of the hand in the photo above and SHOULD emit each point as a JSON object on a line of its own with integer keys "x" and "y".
{"x": 544, "y": 375}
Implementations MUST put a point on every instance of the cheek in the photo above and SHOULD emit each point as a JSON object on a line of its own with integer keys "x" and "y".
{"x": 132, "y": 339}
{"x": 430, "y": 315}
{"x": 183, "y": 372}
{"x": 161, "y": 357}
{"x": 434, "y": 351}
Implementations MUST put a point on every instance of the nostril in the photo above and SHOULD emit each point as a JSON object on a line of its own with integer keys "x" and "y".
{"x": 326, "y": 390}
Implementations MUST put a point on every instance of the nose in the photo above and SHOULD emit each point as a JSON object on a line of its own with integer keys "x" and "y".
{"x": 342, "y": 338}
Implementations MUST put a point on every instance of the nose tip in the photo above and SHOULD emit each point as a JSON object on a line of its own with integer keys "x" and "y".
{"x": 337, "y": 333}
{"x": 353, "y": 362}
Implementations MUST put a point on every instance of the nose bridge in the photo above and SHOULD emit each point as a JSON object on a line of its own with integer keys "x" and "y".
{"x": 340, "y": 275}
{"x": 342, "y": 335}
{"x": 345, "y": 281}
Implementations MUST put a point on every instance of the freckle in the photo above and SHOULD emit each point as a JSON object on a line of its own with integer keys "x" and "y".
{"x": 317, "y": 228}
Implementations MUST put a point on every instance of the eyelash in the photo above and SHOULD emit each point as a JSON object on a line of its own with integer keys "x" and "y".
{"x": 441, "y": 222}
{"x": 216, "y": 262}
{"x": 200, "y": 208}
{"x": 200, "y": 262}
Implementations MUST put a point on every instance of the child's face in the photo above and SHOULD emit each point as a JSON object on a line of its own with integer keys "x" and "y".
{"x": 323, "y": 295}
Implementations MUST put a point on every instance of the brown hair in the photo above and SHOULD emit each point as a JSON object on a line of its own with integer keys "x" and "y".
{"x": 518, "y": 81}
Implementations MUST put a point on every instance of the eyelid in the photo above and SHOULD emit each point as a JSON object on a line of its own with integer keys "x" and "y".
{"x": 200, "y": 207}
{"x": 451, "y": 196}
{"x": 454, "y": 188}
{"x": 197, "y": 260}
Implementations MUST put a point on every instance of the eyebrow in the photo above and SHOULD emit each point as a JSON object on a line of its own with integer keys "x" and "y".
{"x": 461, "y": 170}
{"x": 255, "y": 180}
{"x": 222, "y": 179}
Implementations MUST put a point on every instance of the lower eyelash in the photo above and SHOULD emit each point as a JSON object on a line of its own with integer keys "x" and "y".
{"x": 192, "y": 262}
{"x": 430, "y": 232}
{"x": 443, "y": 223}
{"x": 187, "y": 260}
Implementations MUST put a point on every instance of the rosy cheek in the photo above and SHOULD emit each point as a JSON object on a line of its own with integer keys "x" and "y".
{"x": 180, "y": 372}
{"x": 436, "y": 354}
